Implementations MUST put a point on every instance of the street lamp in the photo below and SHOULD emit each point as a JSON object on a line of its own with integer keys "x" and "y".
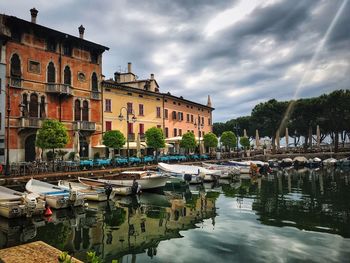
{"x": 200, "y": 127}
{"x": 236, "y": 128}
{"x": 133, "y": 120}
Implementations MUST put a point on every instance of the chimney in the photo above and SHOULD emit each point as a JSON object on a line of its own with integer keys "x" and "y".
{"x": 81, "y": 31}
{"x": 152, "y": 76}
{"x": 129, "y": 67}
{"x": 209, "y": 101}
{"x": 33, "y": 13}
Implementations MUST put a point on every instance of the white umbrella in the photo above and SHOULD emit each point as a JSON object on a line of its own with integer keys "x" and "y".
{"x": 138, "y": 146}
{"x": 257, "y": 143}
{"x": 76, "y": 144}
{"x": 287, "y": 137}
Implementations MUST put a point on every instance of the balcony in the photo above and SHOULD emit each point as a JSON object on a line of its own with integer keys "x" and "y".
{"x": 84, "y": 126}
{"x": 95, "y": 95}
{"x": 33, "y": 123}
{"x": 142, "y": 137}
{"x": 131, "y": 137}
{"x": 16, "y": 82}
{"x": 63, "y": 89}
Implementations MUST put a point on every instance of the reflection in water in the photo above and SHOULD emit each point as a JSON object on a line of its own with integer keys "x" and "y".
{"x": 207, "y": 223}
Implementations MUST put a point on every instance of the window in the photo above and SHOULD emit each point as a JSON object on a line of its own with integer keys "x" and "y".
{"x": 108, "y": 125}
{"x": 77, "y": 114}
{"x": 188, "y": 117}
{"x": 180, "y": 132}
{"x": 25, "y": 105}
{"x": 174, "y": 102}
{"x": 33, "y": 106}
{"x": 200, "y": 134}
{"x": 15, "y": 66}
{"x": 94, "y": 57}
{"x": 51, "y": 45}
{"x": 192, "y": 118}
{"x": 166, "y": 113}
{"x": 67, "y": 76}
{"x": 179, "y": 116}
{"x": 158, "y": 112}
{"x": 85, "y": 111}
{"x": 141, "y": 109}
{"x": 130, "y": 128}
{"x": 174, "y": 115}
{"x": 94, "y": 82}
{"x": 108, "y": 105}
{"x": 81, "y": 76}
{"x": 199, "y": 120}
{"x": 203, "y": 120}
{"x": 129, "y": 107}
{"x": 166, "y": 132}
{"x": 67, "y": 50}
{"x": 34, "y": 66}
{"x": 209, "y": 121}
{"x": 141, "y": 128}
{"x": 175, "y": 132}
{"x": 51, "y": 73}
{"x": 42, "y": 107}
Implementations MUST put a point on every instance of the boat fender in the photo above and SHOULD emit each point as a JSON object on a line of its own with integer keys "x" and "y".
{"x": 48, "y": 211}
{"x": 187, "y": 177}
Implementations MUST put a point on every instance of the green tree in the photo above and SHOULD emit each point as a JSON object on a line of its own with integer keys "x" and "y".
{"x": 188, "y": 141}
{"x": 244, "y": 141}
{"x": 210, "y": 140}
{"x": 155, "y": 139}
{"x": 114, "y": 140}
{"x": 52, "y": 135}
{"x": 228, "y": 139}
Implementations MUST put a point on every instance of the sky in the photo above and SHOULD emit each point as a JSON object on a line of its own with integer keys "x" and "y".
{"x": 240, "y": 52}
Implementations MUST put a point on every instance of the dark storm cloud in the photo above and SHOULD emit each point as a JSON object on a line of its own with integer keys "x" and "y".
{"x": 260, "y": 56}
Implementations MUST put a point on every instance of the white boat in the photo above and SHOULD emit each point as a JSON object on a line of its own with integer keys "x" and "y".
{"x": 101, "y": 184}
{"x": 330, "y": 162}
{"x": 16, "y": 204}
{"x": 244, "y": 167}
{"x": 145, "y": 179}
{"x": 227, "y": 171}
{"x": 90, "y": 193}
{"x": 55, "y": 196}
{"x": 191, "y": 173}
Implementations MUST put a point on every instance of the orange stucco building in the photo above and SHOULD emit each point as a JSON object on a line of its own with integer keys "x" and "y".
{"x": 51, "y": 75}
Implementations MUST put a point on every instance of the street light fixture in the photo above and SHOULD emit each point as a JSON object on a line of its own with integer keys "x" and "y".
{"x": 128, "y": 120}
{"x": 200, "y": 127}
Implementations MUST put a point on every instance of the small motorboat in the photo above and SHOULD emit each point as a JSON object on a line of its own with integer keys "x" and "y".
{"x": 55, "y": 196}
{"x": 300, "y": 162}
{"x": 16, "y": 204}
{"x": 90, "y": 193}
{"x": 227, "y": 171}
{"x": 102, "y": 184}
{"x": 329, "y": 162}
{"x": 286, "y": 162}
{"x": 314, "y": 162}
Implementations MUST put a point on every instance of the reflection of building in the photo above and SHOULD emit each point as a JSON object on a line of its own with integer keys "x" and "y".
{"x": 51, "y": 75}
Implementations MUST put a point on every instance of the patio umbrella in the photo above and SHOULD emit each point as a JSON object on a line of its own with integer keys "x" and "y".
{"x": 138, "y": 146}
{"x": 287, "y": 137}
{"x": 76, "y": 145}
{"x": 38, "y": 151}
{"x": 318, "y": 136}
{"x": 257, "y": 143}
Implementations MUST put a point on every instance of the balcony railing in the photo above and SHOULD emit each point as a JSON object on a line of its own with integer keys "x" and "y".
{"x": 16, "y": 82}
{"x": 30, "y": 122}
{"x": 142, "y": 137}
{"x": 59, "y": 88}
{"x": 131, "y": 137}
{"x": 96, "y": 95}
{"x": 84, "y": 126}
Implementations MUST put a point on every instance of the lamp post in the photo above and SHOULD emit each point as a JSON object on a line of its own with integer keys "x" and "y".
{"x": 200, "y": 127}
{"x": 236, "y": 128}
{"x": 133, "y": 120}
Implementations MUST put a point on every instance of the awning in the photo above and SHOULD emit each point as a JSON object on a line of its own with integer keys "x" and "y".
{"x": 133, "y": 145}
{"x": 174, "y": 139}
{"x": 99, "y": 146}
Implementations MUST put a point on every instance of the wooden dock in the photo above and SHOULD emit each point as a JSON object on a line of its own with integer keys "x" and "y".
{"x": 35, "y": 252}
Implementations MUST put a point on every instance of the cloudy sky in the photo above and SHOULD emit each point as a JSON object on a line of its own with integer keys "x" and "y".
{"x": 241, "y": 52}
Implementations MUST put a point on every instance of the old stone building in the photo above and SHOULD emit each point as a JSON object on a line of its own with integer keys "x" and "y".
{"x": 51, "y": 75}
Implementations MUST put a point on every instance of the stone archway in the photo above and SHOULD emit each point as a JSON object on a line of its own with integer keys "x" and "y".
{"x": 29, "y": 148}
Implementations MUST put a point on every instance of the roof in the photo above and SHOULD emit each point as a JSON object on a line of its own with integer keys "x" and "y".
{"x": 49, "y": 32}
{"x": 113, "y": 84}
{"x": 168, "y": 95}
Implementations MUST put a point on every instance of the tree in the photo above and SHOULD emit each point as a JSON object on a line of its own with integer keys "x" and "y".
{"x": 52, "y": 135}
{"x": 155, "y": 139}
{"x": 244, "y": 141}
{"x": 210, "y": 140}
{"x": 228, "y": 139}
{"x": 114, "y": 140}
{"x": 188, "y": 141}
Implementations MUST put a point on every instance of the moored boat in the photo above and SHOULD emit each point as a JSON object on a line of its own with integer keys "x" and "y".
{"x": 102, "y": 184}
{"x": 16, "y": 204}
{"x": 90, "y": 193}
{"x": 55, "y": 196}
{"x": 227, "y": 171}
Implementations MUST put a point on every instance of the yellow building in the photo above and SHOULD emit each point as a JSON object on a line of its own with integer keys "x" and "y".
{"x": 138, "y": 99}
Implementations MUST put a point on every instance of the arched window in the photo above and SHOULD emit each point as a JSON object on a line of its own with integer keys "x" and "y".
{"x": 42, "y": 107}
{"x": 67, "y": 76}
{"x": 85, "y": 111}
{"x": 77, "y": 115}
{"x": 51, "y": 73}
{"x": 24, "y": 105}
{"x": 94, "y": 83}
{"x": 15, "y": 66}
{"x": 33, "y": 105}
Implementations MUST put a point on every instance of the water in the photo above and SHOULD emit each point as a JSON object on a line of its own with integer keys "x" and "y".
{"x": 291, "y": 216}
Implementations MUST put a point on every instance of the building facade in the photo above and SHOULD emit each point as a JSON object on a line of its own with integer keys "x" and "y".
{"x": 51, "y": 75}
{"x": 2, "y": 98}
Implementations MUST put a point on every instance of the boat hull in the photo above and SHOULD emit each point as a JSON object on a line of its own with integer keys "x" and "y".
{"x": 62, "y": 201}
{"x": 12, "y": 209}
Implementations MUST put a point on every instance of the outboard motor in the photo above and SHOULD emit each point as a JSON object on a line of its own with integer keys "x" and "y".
{"x": 73, "y": 196}
{"x": 108, "y": 190}
{"x": 135, "y": 188}
{"x": 30, "y": 203}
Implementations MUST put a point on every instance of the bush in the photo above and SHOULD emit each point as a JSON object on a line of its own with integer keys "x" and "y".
{"x": 71, "y": 156}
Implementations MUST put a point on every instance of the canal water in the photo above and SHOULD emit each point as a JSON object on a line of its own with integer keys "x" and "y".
{"x": 290, "y": 216}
